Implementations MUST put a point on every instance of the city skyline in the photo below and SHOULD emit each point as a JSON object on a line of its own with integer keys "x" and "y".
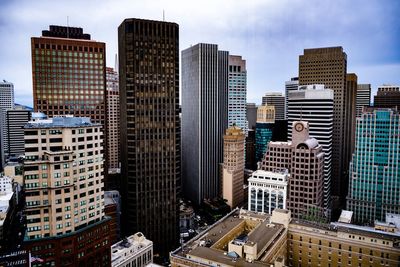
{"x": 269, "y": 35}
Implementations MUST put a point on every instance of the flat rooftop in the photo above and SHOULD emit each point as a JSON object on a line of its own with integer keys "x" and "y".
{"x": 212, "y": 244}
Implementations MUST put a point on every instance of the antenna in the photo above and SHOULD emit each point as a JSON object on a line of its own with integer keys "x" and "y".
{"x": 163, "y": 15}
{"x": 67, "y": 26}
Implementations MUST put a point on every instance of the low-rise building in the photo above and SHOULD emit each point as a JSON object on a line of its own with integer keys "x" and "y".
{"x": 135, "y": 250}
{"x": 241, "y": 238}
{"x": 267, "y": 190}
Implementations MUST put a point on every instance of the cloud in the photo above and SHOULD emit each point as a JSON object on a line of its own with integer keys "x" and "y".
{"x": 269, "y": 34}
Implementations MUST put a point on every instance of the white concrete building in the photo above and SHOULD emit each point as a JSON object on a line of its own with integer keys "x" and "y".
{"x": 135, "y": 250}
{"x": 268, "y": 190}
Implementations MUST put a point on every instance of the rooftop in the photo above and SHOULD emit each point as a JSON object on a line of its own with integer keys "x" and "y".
{"x": 133, "y": 245}
{"x": 212, "y": 244}
{"x": 60, "y": 122}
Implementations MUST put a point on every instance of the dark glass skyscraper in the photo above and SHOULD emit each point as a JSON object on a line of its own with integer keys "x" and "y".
{"x": 150, "y": 129}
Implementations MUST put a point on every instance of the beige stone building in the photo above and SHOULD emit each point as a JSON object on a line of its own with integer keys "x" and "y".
{"x": 63, "y": 175}
{"x": 304, "y": 159}
{"x": 233, "y": 167}
{"x": 341, "y": 244}
{"x": 266, "y": 114}
{"x": 241, "y": 238}
{"x": 113, "y": 121}
{"x": 245, "y": 238}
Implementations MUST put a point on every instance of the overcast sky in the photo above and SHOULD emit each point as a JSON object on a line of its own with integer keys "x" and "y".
{"x": 269, "y": 34}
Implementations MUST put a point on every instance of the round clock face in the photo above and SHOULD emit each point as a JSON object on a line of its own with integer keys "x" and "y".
{"x": 299, "y": 127}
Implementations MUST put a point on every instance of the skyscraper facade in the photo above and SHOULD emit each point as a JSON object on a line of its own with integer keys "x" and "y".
{"x": 68, "y": 73}
{"x": 233, "y": 167}
{"x": 113, "y": 131}
{"x": 6, "y": 102}
{"x": 237, "y": 92}
{"x": 291, "y": 85}
{"x": 314, "y": 104}
{"x": 204, "y": 119}
{"x": 388, "y": 96}
{"x": 374, "y": 180}
{"x": 63, "y": 180}
{"x": 304, "y": 159}
{"x": 277, "y": 100}
{"x": 15, "y": 121}
{"x": 363, "y": 98}
{"x": 328, "y": 66}
{"x": 264, "y": 129}
{"x": 150, "y": 130}
{"x": 251, "y": 115}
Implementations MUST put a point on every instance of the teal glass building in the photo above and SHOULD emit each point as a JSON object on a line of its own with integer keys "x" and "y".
{"x": 374, "y": 181}
{"x": 263, "y": 137}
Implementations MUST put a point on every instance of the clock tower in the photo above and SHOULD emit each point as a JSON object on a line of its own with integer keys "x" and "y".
{"x": 300, "y": 132}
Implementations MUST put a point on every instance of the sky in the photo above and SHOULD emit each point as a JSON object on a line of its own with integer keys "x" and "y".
{"x": 269, "y": 34}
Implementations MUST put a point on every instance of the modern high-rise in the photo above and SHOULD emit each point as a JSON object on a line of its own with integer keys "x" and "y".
{"x": 304, "y": 159}
{"x": 233, "y": 167}
{"x": 15, "y": 121}
{"x": 63, "y": 180}
{"x": 277, "y": 100}
{"x": 69, "y": 74}
{"x": 314, "y": 104}
{"x": 251, "y": 115}
{"x": 268, "y": 190}
{"x": 328, "y": 66}
{"x": 374, "y": 180}
{"x": 113, "y": 131}
{"x": 237, "y": 92}
{"x": 204, "y": 119}
{"x": 150, "y": 130}
{"x": 388, "y": 96}
{"x": 291, "y": 85}
{"x": 6, "y": 102}
{"x": 264, "y": 129}
{"x": 363, "y": 98}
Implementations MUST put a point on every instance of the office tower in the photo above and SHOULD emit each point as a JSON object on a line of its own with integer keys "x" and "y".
{"x": 268, "y": 190}
{"x": 280, "y": 131}
{"x": 363, "y": 98}
{"x": 264, "y": 128}
{"x": 251, "y": 115}
{"x": 150, "y": 130}
{"x": 350, "y": 127}
{"x": 233, "y": 167}
{"x": 6, "y": 102}
{"x": 328, "y": 66}
{"x": 278, "y": 101}
{"x": 112, "y": 120}
{"x": 250, "y": 158}
{"x": 374, "y": 180}
{"x": 314, "y": 104}
{"x": 69, "y": 74}
{"x": 63, "y": 180}
{"x": 15, "y": 121}
{"x": 388, "y": 96}
{"x": 291, "y": 85}
{"x": 237, "y": 91}
{"x": 204, "y": 119}
{"x": 304, "y": 159}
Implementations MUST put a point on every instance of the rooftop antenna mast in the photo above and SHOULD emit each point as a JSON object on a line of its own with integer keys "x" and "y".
{"x": 163, "y": 15}
{"x": 67, "y": 26}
